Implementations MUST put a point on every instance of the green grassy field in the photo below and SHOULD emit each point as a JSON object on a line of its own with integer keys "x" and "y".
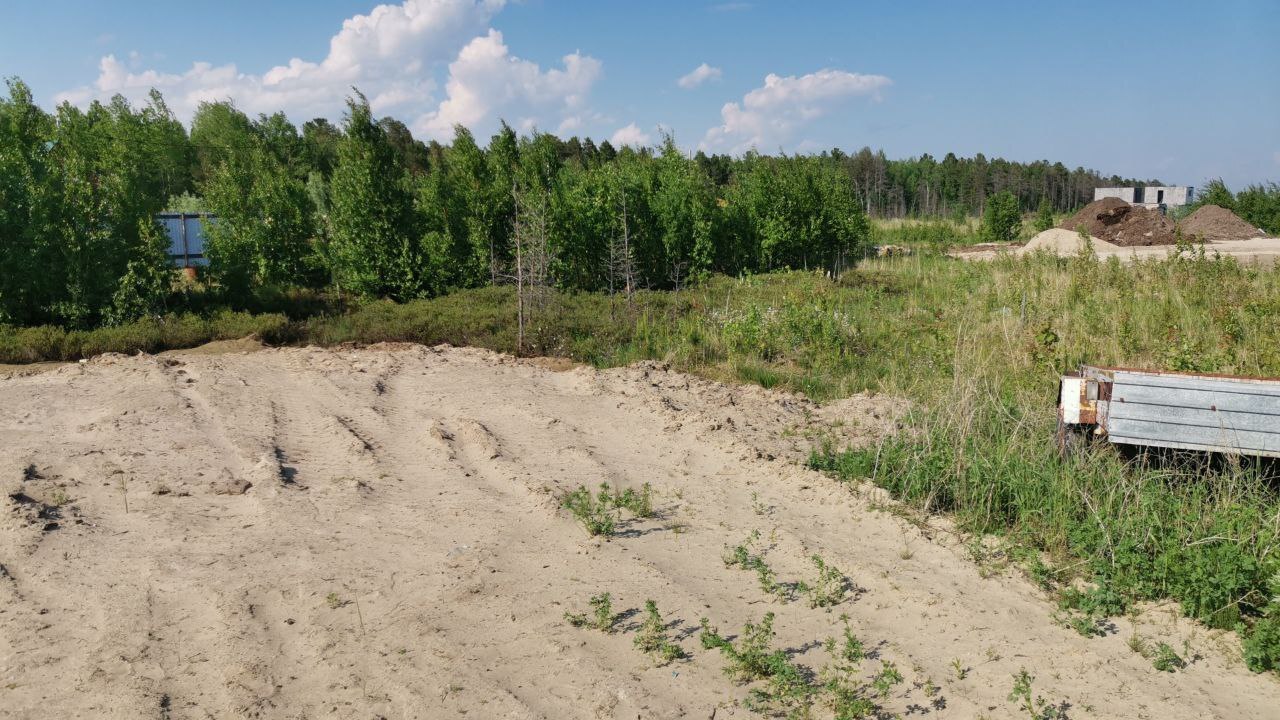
{"x": 977, "y": 347}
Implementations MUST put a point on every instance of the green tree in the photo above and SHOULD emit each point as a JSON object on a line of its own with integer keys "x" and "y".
{"x": 1215, "y": 192}
{"x": 1001, "y": 220}
{"x": 320, "y": 147}
{"x": 264, "y": 221}
{"x": 503, "y": 159}
{"x": 218, "y": 131}
{"x": 114, "y": 169}
{"x": 27, "y": 231}
{"x": 281, "y": 139}
{"x": 479, "y": 222}
{"x": 411, "y": 153}
{"x": 1044, "y": 216}
{"x": 1259, "y": 205}
{"x": 375, "y": 247}
{"x": 683, "y": 206}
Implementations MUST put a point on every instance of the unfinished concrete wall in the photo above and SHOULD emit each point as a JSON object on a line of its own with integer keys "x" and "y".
{"x": 1152, "y": 196}
{"x": 1125, "y": 194}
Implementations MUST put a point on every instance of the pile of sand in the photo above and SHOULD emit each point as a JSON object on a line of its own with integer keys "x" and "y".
{"x": 1120, "y": 223}
{"x": 1213, "y": 223}
{"x": 1063, "y": 242}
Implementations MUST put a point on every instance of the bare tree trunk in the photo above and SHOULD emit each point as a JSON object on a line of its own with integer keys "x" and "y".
{"x": 532, "y": 262}
{"x": 519, "y": 237}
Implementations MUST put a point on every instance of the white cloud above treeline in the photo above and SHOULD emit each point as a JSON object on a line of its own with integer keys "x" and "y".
{"x": 699, "y": 75}
{"x": 631, "y": 135}
{"x": 437, "y": 63}
{"x": 770, "y": 116}
{"x": 392, "y": 55}
{"x": 486, "y": 79}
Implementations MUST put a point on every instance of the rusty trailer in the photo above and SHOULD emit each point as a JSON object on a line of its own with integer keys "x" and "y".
{"x": 1179, "y": 411}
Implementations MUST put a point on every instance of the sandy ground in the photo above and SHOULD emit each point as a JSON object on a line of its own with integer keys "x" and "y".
{"x": 305, "y": 533}
{"x": 1263, "y": 251}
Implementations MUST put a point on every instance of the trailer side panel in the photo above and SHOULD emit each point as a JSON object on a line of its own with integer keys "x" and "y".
{"x": 1194, "y": 412}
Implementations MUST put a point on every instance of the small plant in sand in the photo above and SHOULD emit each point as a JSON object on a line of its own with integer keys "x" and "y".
{"x": 1034, "y": 707}
{"x": 843, "y": 694}
{"x": 792, "y": 690}
{"x": 600, "y": 513}
{"x": 886, "y": 679}
{"x": 787, "y": 689}
{"x": 601, "y": 618}
{"x": 652, "y": 637}
{"x": 1166, "y": 660}
{"x": 758, "y": 507}
{"x": 1138, "y": 644}
{"x": 596, "y": 514}
{"x": 957, "y": 667}
{"x": 849, "y": 648}
{"x": 750, "y": 658}
{"x": 639, "y": 503}
{"x": 829, "y": 588}
{"x": 741, "y": 556}
{"x": 333, "y": 601}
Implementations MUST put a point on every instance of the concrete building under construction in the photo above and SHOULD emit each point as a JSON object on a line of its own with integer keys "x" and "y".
{"x": 1152, "y": 197}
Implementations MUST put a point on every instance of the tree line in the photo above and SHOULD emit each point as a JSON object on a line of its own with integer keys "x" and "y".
{"x": 367, "y": 209}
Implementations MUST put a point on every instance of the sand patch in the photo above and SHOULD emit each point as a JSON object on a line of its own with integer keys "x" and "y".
{"x": 300, "y": 533}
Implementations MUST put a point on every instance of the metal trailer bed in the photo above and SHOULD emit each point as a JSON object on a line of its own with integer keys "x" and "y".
{"x": 1181, "y": 411}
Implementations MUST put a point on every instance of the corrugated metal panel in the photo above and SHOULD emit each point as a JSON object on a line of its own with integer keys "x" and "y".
{"x": 1195, "y": 412}
{"x": 186, "y": 237}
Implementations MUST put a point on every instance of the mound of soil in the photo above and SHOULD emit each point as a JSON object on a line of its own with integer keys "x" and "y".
{"x": 1214, "y": 223}
{"x": 1119, "y": 223}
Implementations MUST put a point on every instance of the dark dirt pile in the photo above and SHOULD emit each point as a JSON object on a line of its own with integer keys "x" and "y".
{"x": 1214, "y": 223}
{"x": 1120, "y": 223}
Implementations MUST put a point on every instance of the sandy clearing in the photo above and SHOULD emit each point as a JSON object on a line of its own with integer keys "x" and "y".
{"x": 1262, "y": 250}
{"x": 401, "y": 553}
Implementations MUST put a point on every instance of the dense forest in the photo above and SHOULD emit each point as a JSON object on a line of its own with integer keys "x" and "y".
{"x": 368, "y": 209}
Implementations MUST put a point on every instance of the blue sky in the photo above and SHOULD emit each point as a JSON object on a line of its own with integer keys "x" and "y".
{"x": 1182, "y": 91}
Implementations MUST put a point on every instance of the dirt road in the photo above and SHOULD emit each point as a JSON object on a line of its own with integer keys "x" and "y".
{"x": 304, "y": 533}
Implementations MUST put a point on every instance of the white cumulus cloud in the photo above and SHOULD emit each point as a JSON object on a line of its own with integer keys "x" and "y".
{"x": 631, "y": 135}
{"x": 699, "y": 75}
{"x": 391, "y": 54}
{"x": 487, "y": 82}
{"x": 769, "y": 115}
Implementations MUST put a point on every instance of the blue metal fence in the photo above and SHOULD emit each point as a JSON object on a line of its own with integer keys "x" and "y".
{"x": 186, "y": 237}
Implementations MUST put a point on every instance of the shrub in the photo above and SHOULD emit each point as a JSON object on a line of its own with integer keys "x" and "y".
{"x": 1262, "y": 645}
{"x": 1001, "y": 220}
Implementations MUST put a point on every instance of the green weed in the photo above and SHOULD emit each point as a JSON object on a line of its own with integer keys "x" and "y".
{"x": 829, "y": 588}
{"x": 886, "y": 679}
{"x": 849, "y": 649}
{"x": 639, "y": 503}
{"x": 741, "y": 556}
{"x": 652, "y": 637}
{"x": 602, "y": 617}
{"x": 1166, "y": 660}
{"x": 600, "y": 513}
{"x": 597, "y": 514}
{"x": 1035, "y": 708}
{"x": 751, "y": 657}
